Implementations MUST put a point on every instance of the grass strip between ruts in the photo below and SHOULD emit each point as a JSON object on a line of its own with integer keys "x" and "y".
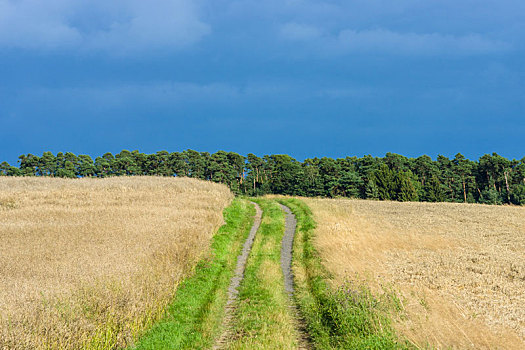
{"x": 262, "y": 318}
{"x": 193, "y": 319}
{"x": 346, "y": 318}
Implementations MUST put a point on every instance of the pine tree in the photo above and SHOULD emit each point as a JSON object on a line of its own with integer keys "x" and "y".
{"x": 433, "y": 191}
{"x": 405, "y": 191}
{"x": 385, "y": 181}
{"x": 350, "y": 184}
{"x": 371, "y": 190}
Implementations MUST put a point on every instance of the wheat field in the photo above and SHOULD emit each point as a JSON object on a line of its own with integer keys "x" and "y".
{"x": 458, "y": 269}
{"x": 92, "y": 262}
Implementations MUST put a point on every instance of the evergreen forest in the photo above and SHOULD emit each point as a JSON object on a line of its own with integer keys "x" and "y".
{"x": 492, "y": 179}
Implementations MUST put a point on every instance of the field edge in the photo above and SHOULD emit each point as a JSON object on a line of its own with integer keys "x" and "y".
{"x": 194, "y": 317}
{"x": 349, "y": 317}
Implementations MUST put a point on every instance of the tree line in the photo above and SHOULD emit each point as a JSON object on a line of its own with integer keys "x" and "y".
{"x": 492, "y": 179}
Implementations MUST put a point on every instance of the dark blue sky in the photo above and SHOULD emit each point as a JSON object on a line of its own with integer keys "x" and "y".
{"x": 307, "y": 78}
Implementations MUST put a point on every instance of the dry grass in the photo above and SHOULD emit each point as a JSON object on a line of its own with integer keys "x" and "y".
{"x": 90, "y": 262}
{"x": 459, "y": 269}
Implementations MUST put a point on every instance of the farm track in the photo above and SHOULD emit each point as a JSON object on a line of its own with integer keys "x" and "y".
{"x": 303, "y": 339}
{"x": 233, "y": 288}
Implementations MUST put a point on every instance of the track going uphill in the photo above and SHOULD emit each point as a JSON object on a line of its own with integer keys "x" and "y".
{"x": 233, "y": 289}
{"x": 286, "y": 265}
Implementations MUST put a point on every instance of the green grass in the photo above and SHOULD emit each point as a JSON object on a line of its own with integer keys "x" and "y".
{"x": 193, "y": 320}
{"x": 350, "y": 317}
{"x": 262, "y": 317}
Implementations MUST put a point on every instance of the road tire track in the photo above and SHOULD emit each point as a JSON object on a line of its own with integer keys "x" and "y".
{"x": 233, "y": 289}
{"x": 286, "y": 264}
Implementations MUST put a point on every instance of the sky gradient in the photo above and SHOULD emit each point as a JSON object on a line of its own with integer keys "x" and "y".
{"x": 306, "y": 78}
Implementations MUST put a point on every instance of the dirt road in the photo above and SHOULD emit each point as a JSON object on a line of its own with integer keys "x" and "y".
{"x": 233, "y": 289}
{"x": 286, "y": 265}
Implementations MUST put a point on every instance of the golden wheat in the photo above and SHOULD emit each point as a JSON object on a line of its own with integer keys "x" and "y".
{"x": 95, "y": 261}
{"x": 459, "y": 268}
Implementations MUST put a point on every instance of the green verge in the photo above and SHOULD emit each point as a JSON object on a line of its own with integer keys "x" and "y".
{"x": 262, "y": 317}
{"x": 350, "y": 317}
{"x": 193, "y": 319}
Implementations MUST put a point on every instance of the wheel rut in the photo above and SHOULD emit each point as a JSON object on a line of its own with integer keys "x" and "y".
{"x": 233, "y": 289}
{"x": 286, "y": 265}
